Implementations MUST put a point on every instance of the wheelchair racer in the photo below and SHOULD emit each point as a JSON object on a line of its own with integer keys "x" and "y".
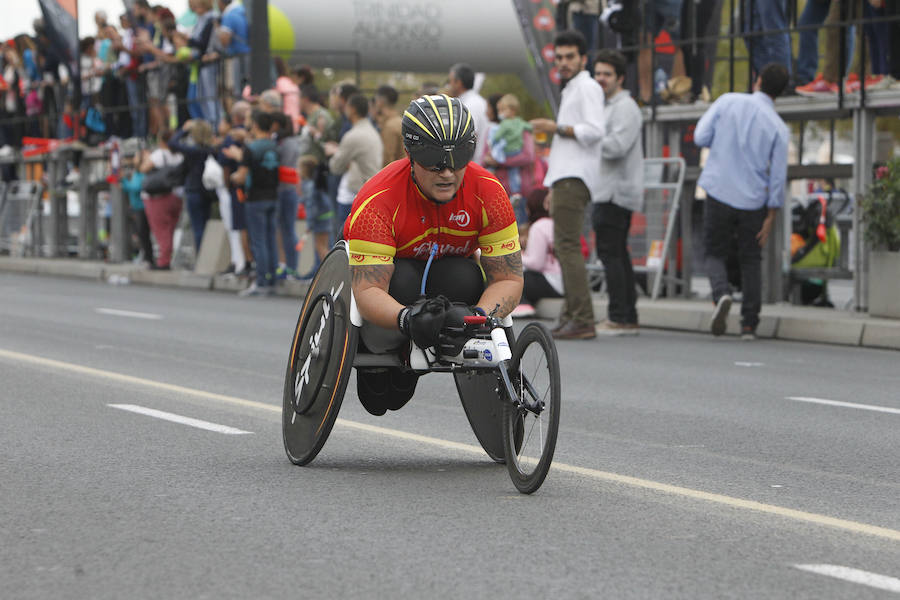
{"x": 435, "y": 210}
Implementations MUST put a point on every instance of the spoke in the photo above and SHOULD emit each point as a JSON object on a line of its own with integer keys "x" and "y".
{"x": 528, "y": 437}
{"x": 541, "y": 358}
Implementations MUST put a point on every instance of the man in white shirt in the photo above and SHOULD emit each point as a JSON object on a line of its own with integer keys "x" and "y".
{"x": 573, "y": 175}
{"x": 461, "y": 84}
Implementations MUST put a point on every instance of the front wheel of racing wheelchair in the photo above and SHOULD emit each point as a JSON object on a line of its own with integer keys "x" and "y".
{"x": 519, "y": 429}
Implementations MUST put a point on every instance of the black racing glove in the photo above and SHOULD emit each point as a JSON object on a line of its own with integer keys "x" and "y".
{"x": 453, "y": 334}
{"x": 422, "y": 321}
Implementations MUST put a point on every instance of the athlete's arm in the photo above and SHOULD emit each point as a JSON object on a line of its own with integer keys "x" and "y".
{"x": 504, "y": 283}
{"x": 370, "y": 284}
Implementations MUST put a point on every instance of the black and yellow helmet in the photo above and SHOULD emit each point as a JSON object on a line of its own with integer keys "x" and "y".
{"x": 439, "y": 132}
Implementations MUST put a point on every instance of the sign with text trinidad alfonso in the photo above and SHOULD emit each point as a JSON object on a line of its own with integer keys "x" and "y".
{"x": 538, "y": 21}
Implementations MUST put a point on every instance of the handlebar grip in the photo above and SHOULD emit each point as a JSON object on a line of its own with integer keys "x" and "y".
{"x": 475, "y": 320}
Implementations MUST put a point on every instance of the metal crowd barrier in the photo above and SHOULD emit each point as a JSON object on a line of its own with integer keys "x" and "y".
{"x": 650, "y": 239}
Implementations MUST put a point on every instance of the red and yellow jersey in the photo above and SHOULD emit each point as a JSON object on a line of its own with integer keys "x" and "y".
{"x": 391, "y": 218}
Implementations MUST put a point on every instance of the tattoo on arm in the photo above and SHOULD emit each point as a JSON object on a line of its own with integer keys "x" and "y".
{"x": 367, "y": 276}
{"x": 507, "y": 304}
{"x": 498, "y": 268}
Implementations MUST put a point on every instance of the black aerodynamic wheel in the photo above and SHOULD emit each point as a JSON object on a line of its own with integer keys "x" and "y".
{"x": 531, "y": 419}
{"x": 320, "y": 361}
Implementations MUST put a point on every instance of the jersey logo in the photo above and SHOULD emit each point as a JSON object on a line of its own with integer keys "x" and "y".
{"x": 461, "y": 218}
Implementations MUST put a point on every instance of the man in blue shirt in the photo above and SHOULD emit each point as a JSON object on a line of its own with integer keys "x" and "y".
{"x": 234, "y": 36}
{"x": 744, "y": 178}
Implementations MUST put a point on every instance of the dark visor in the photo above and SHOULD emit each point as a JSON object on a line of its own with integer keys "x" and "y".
{"x": 453, "y": 157}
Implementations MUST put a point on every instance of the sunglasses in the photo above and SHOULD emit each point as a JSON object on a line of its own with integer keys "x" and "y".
{"x": 448, "y": 157}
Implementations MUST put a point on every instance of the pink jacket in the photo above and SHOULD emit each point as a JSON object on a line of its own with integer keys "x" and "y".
{"x": 524, "y": 161}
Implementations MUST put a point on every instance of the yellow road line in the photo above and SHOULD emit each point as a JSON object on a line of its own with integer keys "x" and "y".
{"x": 790, "y": 513}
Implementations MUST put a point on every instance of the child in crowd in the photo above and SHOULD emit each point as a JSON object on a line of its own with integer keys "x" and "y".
{"x": 506, "y": 138}
{"x": 131, "y": 185}
{"x": 258, "y": 174}
{"x": 318, "y": 208}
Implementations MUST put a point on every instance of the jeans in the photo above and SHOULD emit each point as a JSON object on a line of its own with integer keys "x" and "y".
{"x": 199, "y": 205}
{"x": 808, "y": 52}
{"x": 195, "y": 110}
{"x": 261, "y": 229}
{"x": 287, "y": 216}
{"x": 762, "y": 15}
{"x": 207, "y": 94}
{"x": 721, "y": 224}
{"x": 611, "y": 225}
{"x": 138, "y": 111}
{"x": 570, "y": 198}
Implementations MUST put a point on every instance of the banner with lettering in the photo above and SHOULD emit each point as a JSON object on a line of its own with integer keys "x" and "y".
{"x": 62, "y": 28}
{"x": 538, "y": 21}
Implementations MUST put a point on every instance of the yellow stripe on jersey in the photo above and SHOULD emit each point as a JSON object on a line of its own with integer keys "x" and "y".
{"x": 370, "y": 248}
{"x": 362, "y": 206}
{"x": 495, "y": 180}
{"x": 500, "y": 243}
{"x": 418, "y": 238}
{"x": 364, "y": 260}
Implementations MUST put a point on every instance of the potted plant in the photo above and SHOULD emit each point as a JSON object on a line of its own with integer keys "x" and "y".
{"x": 881, "y": 215}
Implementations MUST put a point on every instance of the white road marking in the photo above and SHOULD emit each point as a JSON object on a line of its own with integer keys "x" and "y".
{"x": 885, "y": 409}
{"x": 740, "y": 363}
{"x": 789, "y": 513}
{"x": 167, "y": 416}
{"x": 128, "y": 313}
{"x": 881, "y": 582}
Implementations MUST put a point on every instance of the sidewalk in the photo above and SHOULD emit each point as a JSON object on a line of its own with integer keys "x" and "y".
{"x": 778, "y": 321}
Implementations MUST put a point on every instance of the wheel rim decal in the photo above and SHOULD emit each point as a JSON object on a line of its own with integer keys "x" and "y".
{"x": 334, "y": 391}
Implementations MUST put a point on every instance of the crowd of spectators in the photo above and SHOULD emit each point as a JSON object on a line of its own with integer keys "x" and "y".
{"x": 676, "y": 48}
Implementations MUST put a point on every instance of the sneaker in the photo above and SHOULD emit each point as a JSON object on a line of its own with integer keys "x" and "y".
{"x": 575, "y": 331}
{"x": 522, "y": 311}
{"x": 748, "y": 334}
{"x": 884, "y": 82}
{"x": 253, "y": 290}
{"x": 818, "y": 87}
{"x": 612, "y": 328}
{"x": 852, "y": 84}
{"x": 720, "y": 315}
{"x": 228, "y": 271}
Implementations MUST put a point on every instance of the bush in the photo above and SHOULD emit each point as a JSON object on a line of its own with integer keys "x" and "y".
{"x": 881, "y": 208}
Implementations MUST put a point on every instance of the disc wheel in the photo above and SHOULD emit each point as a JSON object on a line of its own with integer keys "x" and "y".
{"x": 320, "y": 361}
{"x": 529, "y": 434}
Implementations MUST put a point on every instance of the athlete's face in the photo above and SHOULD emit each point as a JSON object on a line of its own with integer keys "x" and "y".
{"x": 440, "y": 186}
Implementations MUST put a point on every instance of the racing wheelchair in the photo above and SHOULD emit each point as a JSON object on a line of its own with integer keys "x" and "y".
{"x": 509, "y": 385}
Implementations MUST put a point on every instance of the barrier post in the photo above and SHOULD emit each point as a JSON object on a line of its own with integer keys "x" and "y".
{"x": 56, "y": 194}
{"x": 118, "y": 235}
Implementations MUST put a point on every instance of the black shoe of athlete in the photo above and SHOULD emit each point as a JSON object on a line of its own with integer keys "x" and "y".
{"x": 384, "y": 389}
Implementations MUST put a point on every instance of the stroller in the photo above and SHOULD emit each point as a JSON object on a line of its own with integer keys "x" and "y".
{"x": 815, "y": 240}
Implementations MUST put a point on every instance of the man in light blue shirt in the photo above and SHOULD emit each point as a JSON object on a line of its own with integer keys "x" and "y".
{"x": 744, "y": 178}
{"x": 234, "y": 36}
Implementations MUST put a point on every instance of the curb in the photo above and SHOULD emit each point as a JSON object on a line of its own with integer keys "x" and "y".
{"x": 693, "y": 316}
{"x": 782, "y": 322}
